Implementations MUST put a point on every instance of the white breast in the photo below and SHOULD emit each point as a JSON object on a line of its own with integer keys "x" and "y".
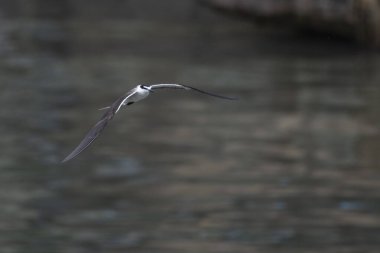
{"x": 140, "y": 94}
{"x": 135, "y": 95}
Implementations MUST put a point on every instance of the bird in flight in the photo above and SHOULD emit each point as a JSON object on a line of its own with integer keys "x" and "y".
{"x": 136, "y": 94}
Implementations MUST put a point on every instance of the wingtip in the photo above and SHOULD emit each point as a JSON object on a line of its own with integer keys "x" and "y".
{"x": 69, "y": 157}
{"x": 229, "y": 98}
{"x": 66, "y": 159}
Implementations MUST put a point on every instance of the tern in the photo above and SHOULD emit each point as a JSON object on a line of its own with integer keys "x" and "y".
{"x": 136, "y": 94}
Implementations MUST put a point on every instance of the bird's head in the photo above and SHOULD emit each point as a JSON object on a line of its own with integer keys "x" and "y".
{"x": 148, "y": 88}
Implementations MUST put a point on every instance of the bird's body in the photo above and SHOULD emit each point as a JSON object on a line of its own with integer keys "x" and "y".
{"x": 136, "y": 94}
{"x": 133, "y": 96}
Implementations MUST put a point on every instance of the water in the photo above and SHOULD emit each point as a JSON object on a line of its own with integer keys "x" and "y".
{"x": 292, "y": 166}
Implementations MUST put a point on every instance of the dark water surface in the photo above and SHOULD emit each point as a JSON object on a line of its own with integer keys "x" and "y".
{"x": 293, "y": 166}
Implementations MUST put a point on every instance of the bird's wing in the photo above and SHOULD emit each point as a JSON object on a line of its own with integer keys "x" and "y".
{"x": 95, "y": 131}
{"x": 181, "y": 86}
{"x": 168, "y": 86}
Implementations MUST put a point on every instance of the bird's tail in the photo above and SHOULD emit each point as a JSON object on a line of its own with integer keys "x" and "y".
{"x": 103, "y": 108}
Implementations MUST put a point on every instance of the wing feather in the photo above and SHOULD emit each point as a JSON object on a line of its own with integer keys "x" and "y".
{"x": 181, "y": 86}
{"x": 95, "y": 131}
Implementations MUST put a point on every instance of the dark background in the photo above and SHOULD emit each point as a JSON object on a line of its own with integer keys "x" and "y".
{"x": 292, "y": 166}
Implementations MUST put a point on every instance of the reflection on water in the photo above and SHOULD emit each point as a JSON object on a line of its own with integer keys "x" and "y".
{"x": 291, "y": 166}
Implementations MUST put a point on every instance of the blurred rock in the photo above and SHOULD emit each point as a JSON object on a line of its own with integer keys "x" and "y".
{"x": 356, "y": 19}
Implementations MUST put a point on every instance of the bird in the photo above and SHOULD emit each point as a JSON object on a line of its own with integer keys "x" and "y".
{"x": 136, "y": 94}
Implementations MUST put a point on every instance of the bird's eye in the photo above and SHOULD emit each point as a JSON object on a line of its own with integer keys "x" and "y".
{"x": 143, "y": 87}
